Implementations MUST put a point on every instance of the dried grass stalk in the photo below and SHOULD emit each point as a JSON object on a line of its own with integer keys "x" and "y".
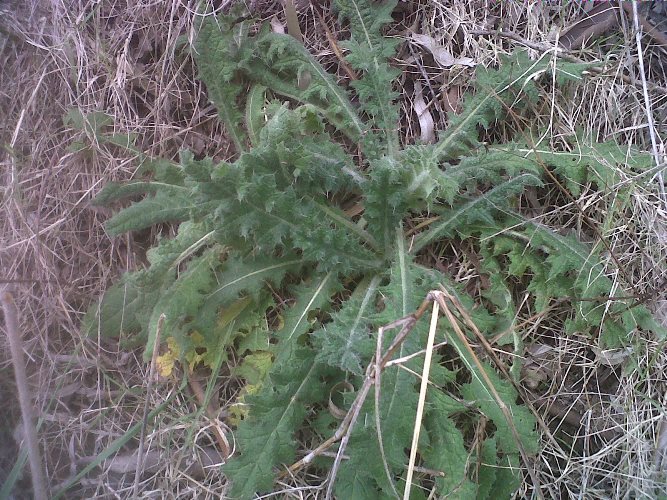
{"x": 29, "y": 428}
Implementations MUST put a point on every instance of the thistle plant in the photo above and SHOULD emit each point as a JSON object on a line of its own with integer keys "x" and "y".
{"x": 316, "y": 204}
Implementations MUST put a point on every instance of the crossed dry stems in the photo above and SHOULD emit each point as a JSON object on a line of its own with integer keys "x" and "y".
{"x": 439, "y": 300}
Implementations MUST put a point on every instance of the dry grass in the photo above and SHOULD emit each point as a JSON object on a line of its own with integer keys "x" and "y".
{"x": 130, "y": 60}
{"x": 121, "y": 59}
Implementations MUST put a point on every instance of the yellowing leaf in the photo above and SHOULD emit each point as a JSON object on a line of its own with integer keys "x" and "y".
{"x": 238, "y": 411}
{"x": 167, "y": 361}
{"x": 202, "y": 351}
{"x": 199, "y": 353}
{"x": 254, "y": 368}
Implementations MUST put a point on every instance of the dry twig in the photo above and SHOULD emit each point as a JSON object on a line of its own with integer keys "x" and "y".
{"x": 25, "y": 400}
{"x": 647, "y": 100}
{"x": 144, "y": 420}
{"x": 344, "y": 431}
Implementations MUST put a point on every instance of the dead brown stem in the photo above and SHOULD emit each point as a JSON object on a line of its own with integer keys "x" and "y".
{"x": 144, "y": 420}
{"x": 25, "y": 400}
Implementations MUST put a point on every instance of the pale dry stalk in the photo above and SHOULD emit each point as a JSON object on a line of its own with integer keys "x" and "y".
{"x": 25, "y": 400}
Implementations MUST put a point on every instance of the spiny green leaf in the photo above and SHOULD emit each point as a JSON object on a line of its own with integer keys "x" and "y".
{"x": 286, "y": 56}
{"x": 266, "y": 437}
{"x": 127, "y": 307}
{"x": 513, "y": 84}
{"x": 221, "y": 46}
{"x": 262, "y": 209}
{"x": 168, "y": 205}
{"x": 310, "y": 297}
{"x": 208, "y": 341}
{"x": 425, "y": 181}
{"x": 479, "y": 208}
{"x": 274, "y": 61}
{"x": 254, "y": 112}
{"x": 488, "y": 472}
{"x": 114, "y": 191}
{"x": 342, "y": 341}
{"x": 268, "y": 433}
{"x": 163, "y": 171}
{"x": 369, "y": 52}
{"x": 385, "y": 202}
{"x": 408, "y": 286}
{"x": 182, "y": 299}
{"x": 122, "y": 310}
{"x": 446, "y": 450}
{"x": 567, "y": 268}
{"x": 498, "y": 294}
{"x": 522, "y": 420}
{"x": 595, "y": 163}
{"x": 249, "y": 275}
{"x": 491, "y": 168}
{"x": 478, "y": 392}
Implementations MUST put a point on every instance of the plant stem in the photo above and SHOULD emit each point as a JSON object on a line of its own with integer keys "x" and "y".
{"x": 29, "y": 429}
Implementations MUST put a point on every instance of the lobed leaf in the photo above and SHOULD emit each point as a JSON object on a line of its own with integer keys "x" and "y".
{"x": 266, "y": 437}
{"x": 346, "y": 341}
{"x": 369, "y": 52}
{"x": 513, "y": 85}
{"x": 481, "y": 208}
